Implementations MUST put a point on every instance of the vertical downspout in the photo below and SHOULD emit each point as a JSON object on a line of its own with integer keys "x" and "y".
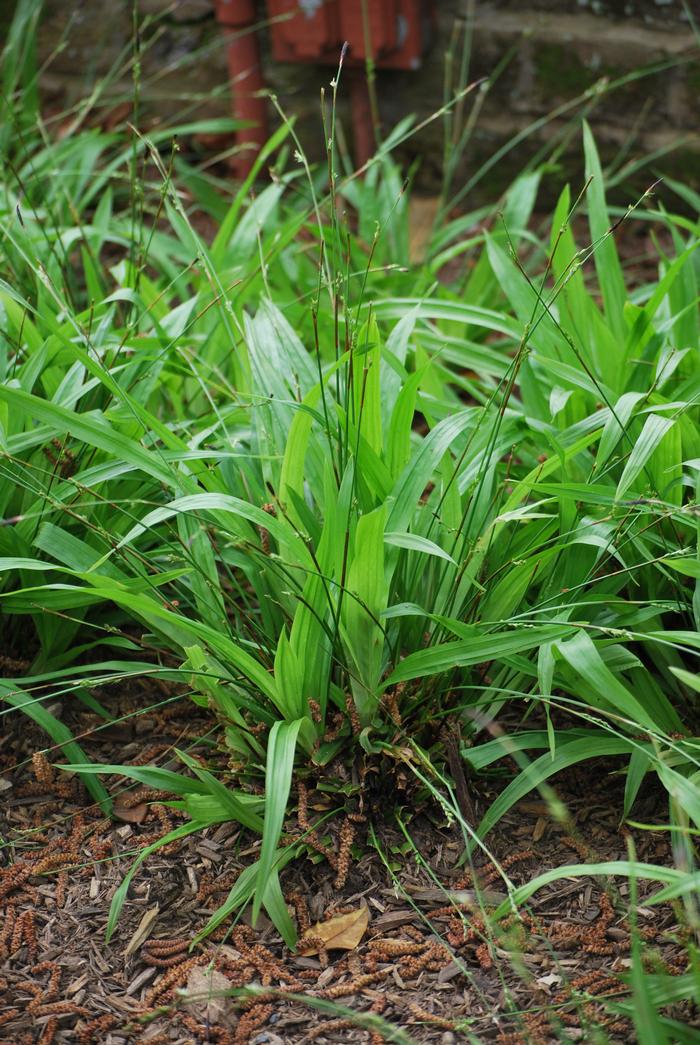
{"x": 238, "y": 17}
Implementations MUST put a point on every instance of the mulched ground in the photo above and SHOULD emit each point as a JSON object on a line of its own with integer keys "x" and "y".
{"x": 426, "y": 965}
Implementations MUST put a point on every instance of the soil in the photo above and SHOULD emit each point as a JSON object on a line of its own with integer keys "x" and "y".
{"x": 427, "y": 963}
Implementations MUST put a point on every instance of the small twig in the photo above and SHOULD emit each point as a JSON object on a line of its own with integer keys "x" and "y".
{"x": 464, "y": 801}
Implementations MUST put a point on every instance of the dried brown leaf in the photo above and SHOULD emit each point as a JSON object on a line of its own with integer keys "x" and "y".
{"x": 129, "y": 814}
{"x": 143, "y": 930}
{"x": 208, "y": 998}
{"x": 343, "y": 932}
{"x": 539, "y": 828}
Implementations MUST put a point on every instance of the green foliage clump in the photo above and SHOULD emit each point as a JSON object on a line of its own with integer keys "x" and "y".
{"x": 345, "y": 500}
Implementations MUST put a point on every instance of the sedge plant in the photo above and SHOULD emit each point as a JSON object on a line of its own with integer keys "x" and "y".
{"x": 350, "y": 504}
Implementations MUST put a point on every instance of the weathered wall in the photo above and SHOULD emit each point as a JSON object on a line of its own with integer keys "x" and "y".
{"x": 559, "y": 48}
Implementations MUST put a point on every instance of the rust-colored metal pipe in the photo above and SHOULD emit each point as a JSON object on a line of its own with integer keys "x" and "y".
{"x": 361, "y": 107}
{"x": 238, "y": 18}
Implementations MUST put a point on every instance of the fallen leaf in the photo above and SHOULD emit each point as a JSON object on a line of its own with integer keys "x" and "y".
{"x": 548, "y": 981}
{"x": 75, "y": 986}
{"x": 129, "y": 814}
{"x": 465, "y": 897}
{"x": 343, "y": 932}
{"x": 539, "y": 829}
{"x": 536, "y": 808}
{"x": 143, "y": 930}
{"x": 325, "y": 977}
{"x": 208, "y": 997}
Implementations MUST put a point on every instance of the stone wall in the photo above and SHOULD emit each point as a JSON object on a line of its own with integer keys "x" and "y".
{"x": 555, "y": 49}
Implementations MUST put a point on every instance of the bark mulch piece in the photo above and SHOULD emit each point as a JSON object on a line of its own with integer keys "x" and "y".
{"x": 429, "y": 962}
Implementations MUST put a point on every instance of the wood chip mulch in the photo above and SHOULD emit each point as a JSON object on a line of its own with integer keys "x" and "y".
{"x": 430, "y": 964}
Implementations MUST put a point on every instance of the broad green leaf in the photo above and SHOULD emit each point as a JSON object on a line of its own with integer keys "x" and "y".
{"x": 685, "y": 565}
{"x": 654, "y": 430}
{"x": 685, "y": 791}
{"x": 489, "y": 646}
{"x": 582, "y": 655}
{"x": 605, "y": 256}
{"x": 93, "y": 429}
{"x": 281, "y": 749}
{"x": 237, "y": 806}
{"x": 290, "y": 680}
{"x": 182, "y": 630}
{"x": 567, "y": 754}
{"x": 414, "y": 542}
{"x": 422, "y": 465}
{"x": 150, "y": 776}
{"x": 221, "y": 506}
{"x": 639, "y": 765}
{"x": 243, "y": 890}
{"x": 616, "y": 425}
{"x": 364, "y": 601}
{"x": 609, "y": 868}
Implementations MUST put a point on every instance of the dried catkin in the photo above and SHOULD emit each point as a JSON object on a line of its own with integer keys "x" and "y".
{"x": 347, "y": 835}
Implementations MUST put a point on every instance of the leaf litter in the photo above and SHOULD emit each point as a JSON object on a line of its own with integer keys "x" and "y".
{"x": 394, "y": 946}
